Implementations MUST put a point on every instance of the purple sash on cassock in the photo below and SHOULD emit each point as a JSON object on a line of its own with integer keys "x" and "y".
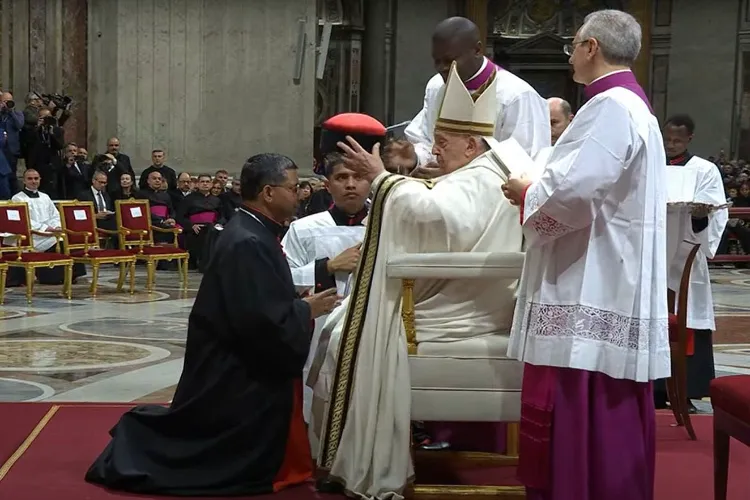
{"x": 203, "y": 218}
{"x": 540, "y": 382}
{"x": 160, "y": 211}
{"x": 624, "y": 79}
{"x": 476, "y": 82}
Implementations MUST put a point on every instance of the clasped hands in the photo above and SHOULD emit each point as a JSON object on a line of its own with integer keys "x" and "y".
{"x": 514, "y": 188}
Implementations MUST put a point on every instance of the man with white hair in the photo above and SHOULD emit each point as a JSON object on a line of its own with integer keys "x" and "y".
{"x": 364, "y": 440}
{"x": 591, "y": 317}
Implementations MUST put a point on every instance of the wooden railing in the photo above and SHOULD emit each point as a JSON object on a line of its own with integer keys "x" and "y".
{"x": 734, "y": 213}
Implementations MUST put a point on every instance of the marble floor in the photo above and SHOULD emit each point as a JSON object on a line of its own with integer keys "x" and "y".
{"x": 121, "y": 348}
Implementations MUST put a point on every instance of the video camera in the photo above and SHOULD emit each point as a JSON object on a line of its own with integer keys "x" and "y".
{"x": 60, "y": 101}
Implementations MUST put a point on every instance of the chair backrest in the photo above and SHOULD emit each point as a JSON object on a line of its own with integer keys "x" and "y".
{"x": 14, "y": 220}
{"x": 78, "y": 216}
{"x": 134, "y": 215}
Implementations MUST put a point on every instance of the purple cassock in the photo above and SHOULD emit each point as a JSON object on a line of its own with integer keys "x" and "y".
{"x": 583, "y": 432}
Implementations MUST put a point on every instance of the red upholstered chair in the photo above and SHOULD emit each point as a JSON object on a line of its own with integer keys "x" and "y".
{"x": 15, "y": 224}
{"x": 681, "y": 346}
{"x": 81, "y": 238}
{"x": 137, "y": 236}
{"x": 730, "y": 397}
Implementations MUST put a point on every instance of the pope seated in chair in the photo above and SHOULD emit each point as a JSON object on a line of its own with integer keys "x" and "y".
{"x": 361, "y": 375}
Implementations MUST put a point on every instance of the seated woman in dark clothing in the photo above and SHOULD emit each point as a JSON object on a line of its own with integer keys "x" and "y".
{"x": 126, "y": 189}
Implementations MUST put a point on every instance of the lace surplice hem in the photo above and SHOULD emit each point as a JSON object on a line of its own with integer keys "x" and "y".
{"x": 590, "y": 338}
{"x": 542, "y": 223}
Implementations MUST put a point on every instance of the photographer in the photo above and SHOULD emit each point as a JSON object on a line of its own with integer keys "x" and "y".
{"x": 11, "y": 123}
{"x": 42, "y": 151}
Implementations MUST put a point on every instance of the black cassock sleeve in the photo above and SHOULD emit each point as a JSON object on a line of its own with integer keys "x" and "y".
{"x": 272, "y": 326}
{"x": 699, "y": 224}
{"x": 323, "y": 279}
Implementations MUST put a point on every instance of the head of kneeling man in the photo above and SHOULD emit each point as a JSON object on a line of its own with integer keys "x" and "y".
{"x": 268, "y": 184}
{"x": 608, "y": 40}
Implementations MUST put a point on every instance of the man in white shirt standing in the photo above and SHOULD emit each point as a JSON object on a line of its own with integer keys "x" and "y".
{"x": 684, "y": 227}
{"x": 521, "y": 112}
{"x": 44, "y": 218}
{"x": 591, "y": 316}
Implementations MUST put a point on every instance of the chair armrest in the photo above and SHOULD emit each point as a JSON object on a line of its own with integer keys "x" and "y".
{"x": 170, "y": 230}
{"x": 456, "y": 265}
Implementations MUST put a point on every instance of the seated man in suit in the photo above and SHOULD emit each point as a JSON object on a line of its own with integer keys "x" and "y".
{"x": 104, "y": 207}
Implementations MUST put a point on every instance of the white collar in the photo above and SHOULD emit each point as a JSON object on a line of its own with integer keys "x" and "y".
{"x": 485, "y": 62}
{"x": 610, "y": 73}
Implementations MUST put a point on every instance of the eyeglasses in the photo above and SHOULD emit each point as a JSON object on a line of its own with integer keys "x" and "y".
{"x": 569, "y": 48}
{"x": 292, "y": 189}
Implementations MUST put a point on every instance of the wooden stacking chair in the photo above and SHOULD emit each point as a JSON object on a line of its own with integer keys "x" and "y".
{"x": 679, "y": 348}
{"x": 15, "y": 224}
{"x": 136, "y": 234}
{"x": 81, "y": 242}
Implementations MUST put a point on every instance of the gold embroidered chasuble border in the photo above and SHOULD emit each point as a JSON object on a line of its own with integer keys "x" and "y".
{"x": 343, "y": 382}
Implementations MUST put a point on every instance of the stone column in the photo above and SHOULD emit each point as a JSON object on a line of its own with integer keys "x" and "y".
{"x": 642, "y": 11}
{"x": 478, "y": 11}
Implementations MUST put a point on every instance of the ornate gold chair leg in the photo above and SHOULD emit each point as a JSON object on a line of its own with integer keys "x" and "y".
{"x": 3, "y": 276}
{"x": 121, "y": 276}
{"x": 132, "y": 277}
{"x": 29, "y": 283}
{"x": 94, "y": 278}
{"x": 68, "y": 282}
{"x": 511, "y": 447}
{"x": 150, "y": 275}
{"x": 185, "y": 273}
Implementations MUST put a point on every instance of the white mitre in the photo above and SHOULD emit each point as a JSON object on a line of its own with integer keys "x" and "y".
{"x": 464, "y": 112}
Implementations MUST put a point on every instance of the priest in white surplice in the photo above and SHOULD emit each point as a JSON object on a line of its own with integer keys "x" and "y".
{"x": 44, "y": 218}
{"x": 693, "y": 224}
{"x": 521, "y": 112}
{"x": 323, "y": 249}
{"x": 591, "y": 317}
{"x": 364, "y": 442}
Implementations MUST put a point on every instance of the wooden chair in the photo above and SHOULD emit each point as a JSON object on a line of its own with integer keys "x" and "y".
{"x": 15, "y": 223}
{"x": 730, "y": 398}
{"x": 81, "y": 242}
{"x": 3, "y": 276}
{"x": 471, "y": 380}
{"x": 679, "y": 345}
{"x": 137, "y": 236}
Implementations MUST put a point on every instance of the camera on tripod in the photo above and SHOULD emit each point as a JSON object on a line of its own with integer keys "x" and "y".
{"x": 60, "y": 101}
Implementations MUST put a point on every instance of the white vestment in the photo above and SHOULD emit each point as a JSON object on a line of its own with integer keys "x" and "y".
{"x": 593, "y": 294}
{"x": 43, "y": 216}
{"x": 311, "y": 238}
{"x": 465, "y": 211}
{"x": 521, "y": 114}
{"x": 707, "y": 188}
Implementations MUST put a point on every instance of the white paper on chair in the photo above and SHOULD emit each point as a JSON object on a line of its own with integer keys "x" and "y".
{"x": 135, "y": 212}
{"x": 13, "y": 215}
{"x": 79, "y": 214}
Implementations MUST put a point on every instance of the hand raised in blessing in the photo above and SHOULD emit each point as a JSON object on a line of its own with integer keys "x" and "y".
{"x": 369, "y": 165}
{"x": 514, "y": 188}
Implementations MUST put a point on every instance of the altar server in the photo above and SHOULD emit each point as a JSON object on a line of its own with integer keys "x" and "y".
{"x": 694, "y": 226}
{"x": 323, "y": 249}
{"x": 521, "y": 112}
{"x": 591, "y": 316}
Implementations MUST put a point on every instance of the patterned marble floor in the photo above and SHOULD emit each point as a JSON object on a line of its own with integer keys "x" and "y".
{"x": 118, "y": 347}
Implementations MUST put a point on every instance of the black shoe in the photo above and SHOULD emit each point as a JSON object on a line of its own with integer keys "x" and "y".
{"x": 325, "y": 485}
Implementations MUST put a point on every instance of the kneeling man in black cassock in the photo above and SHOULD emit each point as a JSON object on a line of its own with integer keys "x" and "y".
{"x": 235, "y": 426}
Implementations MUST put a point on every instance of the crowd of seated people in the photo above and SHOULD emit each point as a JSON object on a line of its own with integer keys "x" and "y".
{"x": 736, "y": 177}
